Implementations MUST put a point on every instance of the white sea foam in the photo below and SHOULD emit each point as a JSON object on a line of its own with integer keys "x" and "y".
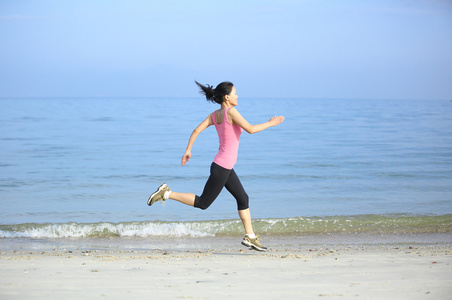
{"x": 135, "y": 229}
{"x": 380, "y": 224}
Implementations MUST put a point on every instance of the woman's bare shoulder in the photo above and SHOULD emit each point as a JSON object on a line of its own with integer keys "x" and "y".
{"x": 234, "y": 116}
{"x": 233, "y": 111}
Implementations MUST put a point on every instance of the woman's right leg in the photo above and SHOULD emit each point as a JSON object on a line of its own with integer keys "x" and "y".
{"x": 214, "y": 185}
{"x": 185, "y": 198}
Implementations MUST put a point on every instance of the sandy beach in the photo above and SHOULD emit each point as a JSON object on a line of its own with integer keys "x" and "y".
{"x": 211, "y": 269}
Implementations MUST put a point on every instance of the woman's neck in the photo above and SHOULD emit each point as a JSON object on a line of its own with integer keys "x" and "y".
{"x": 226, "y": 105}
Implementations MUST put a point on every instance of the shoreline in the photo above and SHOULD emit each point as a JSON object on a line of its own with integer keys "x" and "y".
{"x": 412, "y": 267}
{"x": 223, "y": 242}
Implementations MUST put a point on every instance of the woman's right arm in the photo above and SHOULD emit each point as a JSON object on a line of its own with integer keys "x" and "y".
{"x": 206, "y": 123}
{"x": 237, "y": 119}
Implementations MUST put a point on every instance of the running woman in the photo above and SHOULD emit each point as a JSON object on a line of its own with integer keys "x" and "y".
{"x": 229, "y": 125}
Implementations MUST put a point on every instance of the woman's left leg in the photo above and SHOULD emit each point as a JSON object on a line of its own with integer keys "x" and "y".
{"x": 245, "y": 216}
{"x": 235, "y": 187}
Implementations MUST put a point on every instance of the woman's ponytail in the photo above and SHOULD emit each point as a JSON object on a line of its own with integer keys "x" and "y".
{"x": 216, "y": 95}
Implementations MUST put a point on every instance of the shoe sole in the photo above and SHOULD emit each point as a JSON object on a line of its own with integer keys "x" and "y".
{"x": 156, "y": 192}
{"x": 252, "y": 246}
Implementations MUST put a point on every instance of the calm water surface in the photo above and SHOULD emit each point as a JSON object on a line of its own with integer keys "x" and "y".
{"x": 97, "y": 160}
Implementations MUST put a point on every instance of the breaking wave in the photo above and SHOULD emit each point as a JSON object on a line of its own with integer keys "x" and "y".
{"x": 373, "y": 224}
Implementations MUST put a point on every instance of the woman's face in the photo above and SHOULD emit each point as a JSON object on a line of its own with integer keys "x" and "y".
{"x": 232, "y": 97}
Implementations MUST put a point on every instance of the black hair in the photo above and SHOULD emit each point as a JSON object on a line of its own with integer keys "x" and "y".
{"x": 216, "y": 95}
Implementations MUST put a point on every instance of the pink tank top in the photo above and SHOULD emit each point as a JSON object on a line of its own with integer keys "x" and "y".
{"x": 229, "y": 136}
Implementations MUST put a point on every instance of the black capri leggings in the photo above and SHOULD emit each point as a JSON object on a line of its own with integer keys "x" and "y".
{"x": 219, "y": 178}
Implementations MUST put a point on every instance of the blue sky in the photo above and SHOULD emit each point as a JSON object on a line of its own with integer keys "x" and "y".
{"x": 311, "y": 49}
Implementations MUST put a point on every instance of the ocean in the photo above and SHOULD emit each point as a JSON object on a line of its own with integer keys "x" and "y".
{"x": 85, "y": 167}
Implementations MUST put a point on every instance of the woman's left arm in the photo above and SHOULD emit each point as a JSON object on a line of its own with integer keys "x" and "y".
{"x": 201, "y": 127}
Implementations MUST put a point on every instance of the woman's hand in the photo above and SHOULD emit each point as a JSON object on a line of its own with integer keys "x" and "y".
{"x": 185, "y": 158}
{"x": 276, "y": 120}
